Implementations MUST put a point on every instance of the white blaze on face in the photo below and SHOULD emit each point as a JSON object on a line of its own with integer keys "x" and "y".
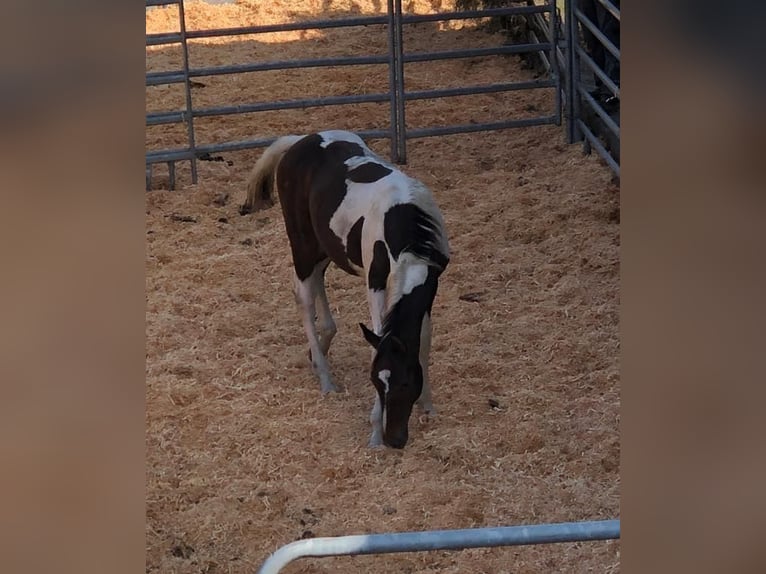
{"x": 384, "y": 375}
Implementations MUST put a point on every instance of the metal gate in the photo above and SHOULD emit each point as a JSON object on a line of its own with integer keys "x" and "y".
{"x": 397, "y": 96}
{"x": 589, "y": 119}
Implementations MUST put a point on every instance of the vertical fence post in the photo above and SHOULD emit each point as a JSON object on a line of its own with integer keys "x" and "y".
{"x": 401, "y": 126}
{"x": 392, "y": 82}
{"x": 396, "y": 82}
{"x": 554, "y": 58}
{"x": 187, "y": 85}
{"x": 572, "y": 77}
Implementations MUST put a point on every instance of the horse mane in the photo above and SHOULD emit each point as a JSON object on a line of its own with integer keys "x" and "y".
{"x": 260, "y": 184}
{"x": 426, "y": 241}
{"x": 423, "y": 225}
{"x": 404, "y": 317}
{"x": 421, "y": 239}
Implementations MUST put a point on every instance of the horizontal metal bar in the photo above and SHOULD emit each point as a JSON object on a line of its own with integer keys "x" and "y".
{"x": 441, "y": 540}
{"x": 289, "y": 64}
{"x": 361, "y": 21}
{"x": 175, "y": 117}
{"x": 288, "y": 27}
{"x": 181, "y": 154}
{"x": 596, "y": 107}
{"x": 156, "y": 78}
{"x": 476, "y": 52}
{"x": 235, "y": 146}
{"x": 251, "y": 144}
{"x": 175, "y": 77}
{"x": 475, "y": 90}
{"x": 163, "y": 38}
{"x": 160, "y": 118}
{"x": 600, "y": 149}
{"x": 373, "y": 134}
{"x": 185, "y": 154}
{"x": 291, "y": 105}
{"x": 611, "y": 8}
{"x": 614, "y": 50}
{"x": 164, "y": 78}
{"x": 161, "y": 2}
{"x": 159, "y": 156}
{"x": 479, "y": 127}
{"x": 466, "y": 14}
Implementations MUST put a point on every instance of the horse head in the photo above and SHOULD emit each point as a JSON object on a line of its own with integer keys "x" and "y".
{"x": 398, "y": 378}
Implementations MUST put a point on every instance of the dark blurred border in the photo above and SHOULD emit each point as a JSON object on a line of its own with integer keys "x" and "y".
{"x": 693, "y": 255}
{"x": 72, "y": 305}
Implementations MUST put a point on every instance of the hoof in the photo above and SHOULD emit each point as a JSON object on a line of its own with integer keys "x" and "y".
{"x": 428, "y": 409}
{"x": 328, "y": 387}
{"x": 375, "y": 442}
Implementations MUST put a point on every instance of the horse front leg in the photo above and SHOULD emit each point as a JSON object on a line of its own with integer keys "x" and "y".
{"x": 425, "y": 400}
{"x": 377, "y": 301}
{"x": 378, "y": 272}
{"x": 305, "y": 295}
{"x": 376, "y": 420}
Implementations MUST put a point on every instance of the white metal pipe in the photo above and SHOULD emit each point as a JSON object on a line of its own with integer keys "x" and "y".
{"x": 441, "y": 540}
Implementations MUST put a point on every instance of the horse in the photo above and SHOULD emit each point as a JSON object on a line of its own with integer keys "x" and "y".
{"x": 343, "y": 204}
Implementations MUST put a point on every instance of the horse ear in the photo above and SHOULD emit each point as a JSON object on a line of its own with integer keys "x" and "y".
{"x": 369, "y": 336}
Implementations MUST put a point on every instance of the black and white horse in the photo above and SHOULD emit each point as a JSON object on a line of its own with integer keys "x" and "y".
{"x": 344, "y": 204}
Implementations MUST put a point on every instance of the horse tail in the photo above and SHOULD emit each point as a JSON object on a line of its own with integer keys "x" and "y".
{"x": 260, "y": 184}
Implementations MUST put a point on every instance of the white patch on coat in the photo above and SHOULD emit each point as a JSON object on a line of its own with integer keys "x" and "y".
{"x": 330, "y": 136}
{"x": 384, "y": 375}
{"x": 368, "y": 200}
{"x": 373, "y": 200}
{"x": 413, "y": 275}
{"x": 377, "y": 303}
{"x": 357, "y": 160}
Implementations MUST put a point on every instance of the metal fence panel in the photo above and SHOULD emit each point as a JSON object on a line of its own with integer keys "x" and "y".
{"x": 397, "y": 96}
{"x": 581, "y": 104}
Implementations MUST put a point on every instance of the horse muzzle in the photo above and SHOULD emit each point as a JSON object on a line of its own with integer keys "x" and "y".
{"x": 395, "y": 441}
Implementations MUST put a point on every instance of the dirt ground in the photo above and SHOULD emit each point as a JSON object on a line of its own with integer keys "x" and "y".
{"x": 244, "y": 455}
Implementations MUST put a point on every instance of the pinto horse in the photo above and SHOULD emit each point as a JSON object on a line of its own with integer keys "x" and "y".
{"x": 343, "y": 204}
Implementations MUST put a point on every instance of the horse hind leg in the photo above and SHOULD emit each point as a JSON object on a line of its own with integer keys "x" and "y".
{"x": 306, "y": 292}
{"x": 327, "y": 327}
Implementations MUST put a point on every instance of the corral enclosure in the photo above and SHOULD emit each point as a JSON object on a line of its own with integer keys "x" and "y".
{"x": 243, "y": 455}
